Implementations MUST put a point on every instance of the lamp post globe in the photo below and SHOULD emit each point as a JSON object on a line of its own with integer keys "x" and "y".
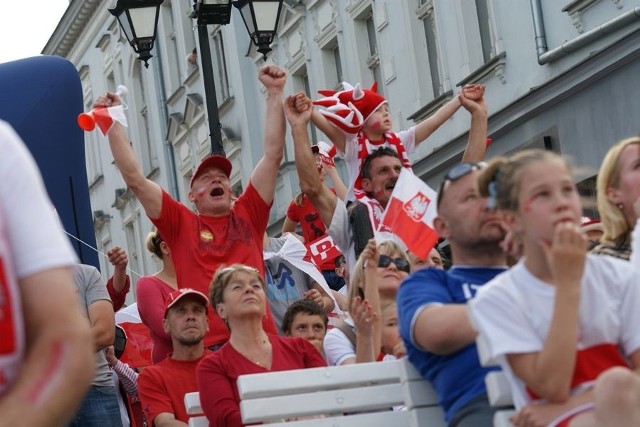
{"x": 261, "y": 20}
{"x": 138, "y": 20}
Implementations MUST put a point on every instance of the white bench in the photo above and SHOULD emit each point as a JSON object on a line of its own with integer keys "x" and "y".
{"x": 336, "y": 396}
{"x": 498, "y": 389}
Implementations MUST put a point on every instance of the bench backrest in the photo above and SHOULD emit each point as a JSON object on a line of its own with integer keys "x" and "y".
{"x": 336, "y": 396}
{"x": 334, "y": 391}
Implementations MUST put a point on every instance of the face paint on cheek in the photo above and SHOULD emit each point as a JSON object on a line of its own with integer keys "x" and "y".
{"x": 200, "y": 191}
{"x": 50, "y": 377}
{"x": 375, "y": 124}
{"x": 526, "y": 205}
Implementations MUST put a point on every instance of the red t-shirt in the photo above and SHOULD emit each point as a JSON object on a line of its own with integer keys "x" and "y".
{"x": 151, "y": 293}
{"x": 199, "y": 244}
{"x": 311, "y": 224}
{"x": 161, "y": 387}
{"x": 218, "y": 375}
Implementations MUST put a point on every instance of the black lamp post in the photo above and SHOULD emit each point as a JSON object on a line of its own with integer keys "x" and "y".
{"x": 210, "y": 12}
{"x": 261, "y": 20}
{"x": 139, "y": 21}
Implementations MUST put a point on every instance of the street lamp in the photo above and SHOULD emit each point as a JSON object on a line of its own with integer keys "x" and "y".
{"x": 210, "y": 12}
{"x": 139, "y": 21}
{"x": 261, "y": 20}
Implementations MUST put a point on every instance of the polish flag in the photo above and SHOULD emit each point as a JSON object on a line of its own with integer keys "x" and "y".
{"x": 410, "y": 213}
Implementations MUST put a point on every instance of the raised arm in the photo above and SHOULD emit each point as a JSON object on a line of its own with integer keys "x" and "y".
{"x": 335, "y": 135}
{"x": 310, "y": 180}
{"x": 148, "y": 192}
{"x": 472, "y": 99}
{"x": 338, "y": 184}
{"x": 119, "y": 284}
{"x": 265, "y": 173}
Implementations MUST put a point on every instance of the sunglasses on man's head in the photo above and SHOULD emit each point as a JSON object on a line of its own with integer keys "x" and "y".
{"x": 401, "y": 264}
{"x": 455, "y": 173}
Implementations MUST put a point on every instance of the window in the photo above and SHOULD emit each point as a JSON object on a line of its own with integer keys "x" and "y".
{"x": 170, "y": 44}
{"x": 220, "y": 69}
{"x": 373, "y": 62}
{"x": 482, "y": 11}
{"x": 479, "y": 36}
{"x": 301, "y": 83}
{"x": 433, "y": 56}
{"x": 332, "y": 64}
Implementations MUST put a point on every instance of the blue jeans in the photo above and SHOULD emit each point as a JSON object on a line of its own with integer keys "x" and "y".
{"x": 98, "y": 409}
{"x": 334, "y": 281}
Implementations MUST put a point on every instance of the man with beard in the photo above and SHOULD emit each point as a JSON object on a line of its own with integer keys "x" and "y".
{"x": 223, "y": 231}
{"x": 432, "y": 310}
{"x": 162, "y": 386}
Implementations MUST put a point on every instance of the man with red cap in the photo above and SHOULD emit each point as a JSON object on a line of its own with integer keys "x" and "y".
{"x": 222, "y": 231}
{"x": 162, "y": 386}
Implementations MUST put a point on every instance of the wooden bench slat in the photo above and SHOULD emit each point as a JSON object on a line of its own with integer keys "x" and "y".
{"x": 313, "y": 379}
{"x": 320, "y": 403}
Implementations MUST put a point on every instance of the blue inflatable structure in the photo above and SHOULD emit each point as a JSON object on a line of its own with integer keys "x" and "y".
{"x": 41, "y": 98}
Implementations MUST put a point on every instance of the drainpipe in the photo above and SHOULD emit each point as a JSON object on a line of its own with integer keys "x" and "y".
{"x": 547, "y": 56}
{"x": 166, "y": 144}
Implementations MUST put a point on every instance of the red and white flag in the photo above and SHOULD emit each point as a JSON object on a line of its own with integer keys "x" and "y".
{"x": 322, "y": 249}
{"x": 410, "y": 213}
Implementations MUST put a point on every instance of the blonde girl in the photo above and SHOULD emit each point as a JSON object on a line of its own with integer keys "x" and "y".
{"x": 559, "y": 319}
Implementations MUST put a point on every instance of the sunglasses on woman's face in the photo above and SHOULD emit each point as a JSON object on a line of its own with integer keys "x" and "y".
{"x": 401, "y": 264}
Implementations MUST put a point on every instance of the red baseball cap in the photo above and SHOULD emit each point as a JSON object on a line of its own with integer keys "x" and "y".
{"x": 175, "y": 296}
{"x": 213, "y": 161}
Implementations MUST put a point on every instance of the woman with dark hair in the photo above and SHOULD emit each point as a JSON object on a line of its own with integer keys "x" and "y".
{"x": 238, "y": 295}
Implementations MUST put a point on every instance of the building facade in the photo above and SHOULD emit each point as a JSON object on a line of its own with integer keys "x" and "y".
{"x": 561, "y": 75}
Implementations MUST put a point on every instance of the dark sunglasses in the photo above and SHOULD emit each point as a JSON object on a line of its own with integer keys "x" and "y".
{"x": 455, "y": 173}
{"x": 400, "y": 263}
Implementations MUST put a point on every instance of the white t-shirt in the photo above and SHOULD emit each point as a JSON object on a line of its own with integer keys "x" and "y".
{"x": 337, "y": 347}
{"x": 31, "y": 240}
{"x": 513, "y": 314}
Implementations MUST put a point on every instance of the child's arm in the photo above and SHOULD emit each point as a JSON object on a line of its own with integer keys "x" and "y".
{"x": 335, "y": 135}
{"x": 371, "y": 292}
{"x": 338, "y": 184}
{"x": 549, "y": 372}
{"x": 425, "y": 128}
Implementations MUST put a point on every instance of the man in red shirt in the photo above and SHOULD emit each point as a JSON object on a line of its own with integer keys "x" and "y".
{"x": 162, "y": 386}
{"x": 222, "y": 232}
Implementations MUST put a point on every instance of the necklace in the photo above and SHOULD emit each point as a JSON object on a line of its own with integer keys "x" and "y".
{"x": 263, "y": 358}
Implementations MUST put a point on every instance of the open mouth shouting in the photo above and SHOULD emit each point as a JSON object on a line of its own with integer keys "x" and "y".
{"x": 217, "y": 191}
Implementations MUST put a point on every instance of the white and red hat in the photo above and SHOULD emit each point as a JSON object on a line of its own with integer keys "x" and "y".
{"x": 175, "y": 296}
{"x": 350, "y": 108}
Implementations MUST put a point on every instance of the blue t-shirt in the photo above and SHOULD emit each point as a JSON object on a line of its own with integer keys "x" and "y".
{"x": 458, "y": 377}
